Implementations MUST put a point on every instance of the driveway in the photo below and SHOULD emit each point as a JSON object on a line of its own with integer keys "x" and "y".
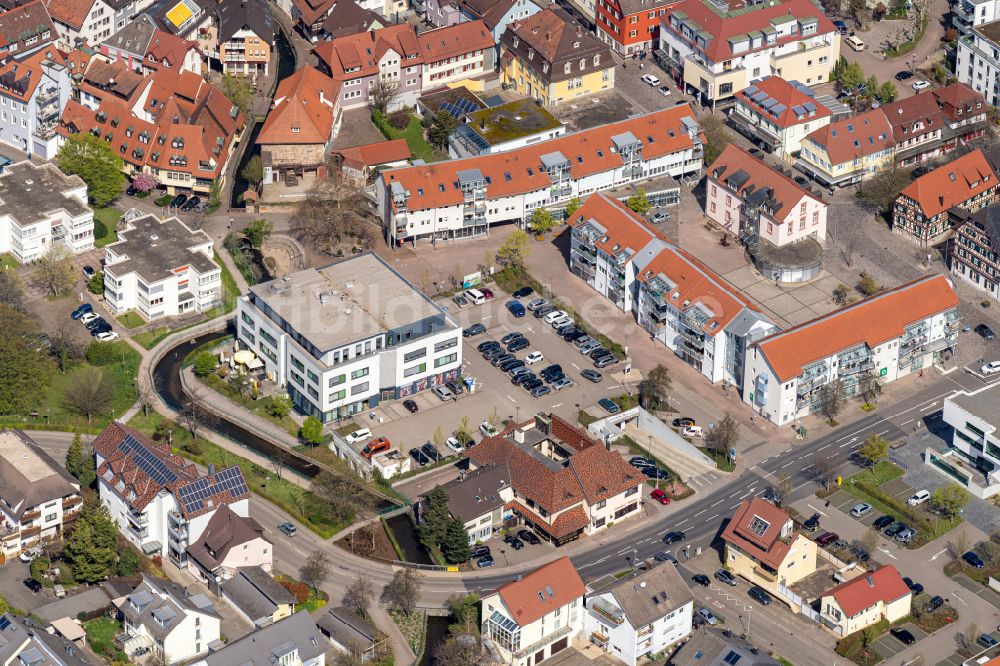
{"x": 86, "y": 600}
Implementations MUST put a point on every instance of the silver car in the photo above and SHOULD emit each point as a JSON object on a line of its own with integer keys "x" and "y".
{"x": 537, "y": 303}
{"x": 443, "y": 392}
{"x": 565, "y": 382}
{"x": 589, "y": 347}
{"x": 708, "y": 616}
{"x": 861, "y": 510}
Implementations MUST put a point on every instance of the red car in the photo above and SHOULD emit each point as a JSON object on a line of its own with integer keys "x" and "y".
{"x": 488, "y": 293}
{"x": 660, "y": 497}
{"x": 375, "y": 446}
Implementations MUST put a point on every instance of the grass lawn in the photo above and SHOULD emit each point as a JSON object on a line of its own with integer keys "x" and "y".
{"x": 413, "y": 627}
{"x": 299, "y": 503}
{"x": 721, "y": 460}
{"x": 219, "y": 385}
{"x": 100, "y": 637}
{"x": 7, "y": 261}
{"x": 106, "y": 225}
{"x": 414, "y": 135}
{"x": 151, "y": 338}
{"x": 130, "y": 320}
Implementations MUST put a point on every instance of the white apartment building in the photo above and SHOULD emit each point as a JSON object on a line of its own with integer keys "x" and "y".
{"x": 639, "y": 615}
{"x": 161, "y": 268}
{"x": 33, "y": 93}
{"x": 776, "y": 114}
{"x": 890, "y": 335}
{"x": 673, "y": 296}
{"x": 969, "y": 14}
{"x": 977, "y": 60}
{"x": 535, "y": 617}
{"x": 465, "y": 197}
{"x": 87, "y": 21}
{"x": 294, "y": 641}
{"x": 164, "y": 619}
{"x": 974, "y": 457}
{"x": 41, "y": 206}
{"x": 38, "y": 498}
{"x": 344, "y": 337}
{"x": 158, "y": 499}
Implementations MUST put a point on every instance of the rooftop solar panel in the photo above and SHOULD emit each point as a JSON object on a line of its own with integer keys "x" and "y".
{"x": 759, "y": 96}
{"x": 769, "y": 102}
{"x": 778, "y": 109}
{"x": 751, "y": 90}
{"x": 799, "y": 111}
{"x": 809, "y": 106}
{"x": 147, "y": 461}
{"x": 193, "y": 495}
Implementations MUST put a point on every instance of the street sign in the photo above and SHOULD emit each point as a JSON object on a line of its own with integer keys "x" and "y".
{"x": 883, "y": 372}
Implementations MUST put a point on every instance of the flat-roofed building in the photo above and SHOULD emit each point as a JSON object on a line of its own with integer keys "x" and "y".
{"x": 346, "y": 336}
{"x": 973, "y": 460}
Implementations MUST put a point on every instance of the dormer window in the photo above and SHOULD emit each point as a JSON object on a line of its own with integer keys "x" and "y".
{"x": 583, "y": 63}
{"x": 531, "y": 54}
{"x": 597, "y": 60}
{"x": 516, "y": 42}
{"x": 567, "y": 68}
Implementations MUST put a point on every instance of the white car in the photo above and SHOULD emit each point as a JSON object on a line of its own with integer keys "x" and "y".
{"x": 991, "y": 368}
{"x": 693, "y": 431}
{"x": 533, "y": 358}
{"x": 552, "y": 316}
{"x": 651, "y": 80}
{"x": 88, "y": 317}
{"x": 919, "y": 497}
{"x": 107, "y": 336}
{"x": 455, "y": 445}
{"x": 487, "y": 429}
{"x": 359, "y": 435}
{"x": 29, "y": 554}
{"x": 921, "y": 85}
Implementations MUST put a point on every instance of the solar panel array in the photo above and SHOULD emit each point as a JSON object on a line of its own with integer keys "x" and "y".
{"x": 193, "y": 495}
{"x": 810, "y": 107}
{"x": 460, "y": 107}
{"x": 750, "y": 90}
{"x": 147, "y": 461}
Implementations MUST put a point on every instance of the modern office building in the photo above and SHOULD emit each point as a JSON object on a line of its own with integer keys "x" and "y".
{"x": 973, "y": 459}
{"x": 344, "y": 337}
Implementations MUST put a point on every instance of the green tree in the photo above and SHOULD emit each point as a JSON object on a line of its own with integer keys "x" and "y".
{"x": 238, "y": 91}
{"x": 724, "y": 436}
{"x": 867, "y": 284}
{"x": 312, "y": 430}
{"x": 4, "y": 606}
{"x": 950, "y": 499}
{"x": 403, "y": 591}
{"x": 436, "y": 518}
{"x": 655, "y": 388}
{"x": 465, "y": 613}
{"x": 639, "y": 202}
{"x": 253, "y": 172}
{"x": 717, "y": 136}
{"x": 831, "y": 398}
{"x": 128, "y": 563}
{"x": 572, "y": 206}
{"x": 204, "y": 363}
{"x": 316, "y": 569}
{"x": 456, "y": 543}
{"x": 514, "y": 251}
{"x": 88, "y": 393}
{"x": 258, "y": 231}
{"x": 96, "y": 284}
{"x": 887, "y": 92}
{"x": 872, "y": 85}
{"x": 11, "y": 289}
{"x": 874, "y": 450}
{"x": 92, "y": 159}
{"x": 92, "y": 550}
{"x": 54, "y": 270}
{"x": 441, "y": 128}
{"x": 878, "y": 194}
{"x": 850, "y": 75}
{"x": 25, "y": 368}
{"x": 541, "y": 221}
{"x": 74, "y": 456}
{"x": 279, "y": 406}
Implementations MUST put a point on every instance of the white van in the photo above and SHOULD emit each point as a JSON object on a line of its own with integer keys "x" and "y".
{"x": 477, "y": 297}
{"x": 855, "y": 43}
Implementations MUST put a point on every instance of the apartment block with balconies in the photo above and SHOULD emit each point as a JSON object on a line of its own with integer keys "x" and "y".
{"x": 167, "y": 621}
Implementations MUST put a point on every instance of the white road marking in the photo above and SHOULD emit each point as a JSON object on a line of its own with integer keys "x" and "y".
{"x": 558, "y": 404}
{"x": 749, "y": 492}
{"x": 714, "y": 503}
{"x": 938, "y": 554}
{"x": 735, "y": 505}
{"x": 822, "y": 447}
{"x": 682, "y": 522}
{"x": 713, "y": 517}
{"x": 695, "y": 479}
{"x": 886, "y": 552}
{"x": 816, "y": 510}
{"x": 955, "y": 594}
{"x": 575, "y": 366}
{"x": 787, "y": 464}
{"x": 700, "y": 512}
{"x": 907, "y": 421}
{"x": 884, "y": 431}
{"x": 627, "y": 550}
{"x": 511, "y": 399}
{"x": 930, "y": 407}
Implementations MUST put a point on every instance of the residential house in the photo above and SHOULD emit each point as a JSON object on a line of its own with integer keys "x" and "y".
{"x": 40, "y": 206}
{"x": 675, "y": 298}
{"x": 24, "y": 643}
{"x": 25, "y": 29}
{"x": 439, "y": 13}
{"x": 973, "y": 460}
{"x": 82, "y": 21}
{"x": 159, "y": 500}
{"x": 38, "y": 498}
{"x": 295, "y": 641}
{"x": 348, "y": 632}
{"x": 258, "y": 597}
{"x": 161, "y": 268}
{"x": 564, "y": 483}
{"x": 718, "y": 49}
{"x": 631, "y": 26}
{"x": 777, "y": 114}
{"x": 166, "y": 620}
{"x": 303, "y": 120}
{"x": 246, "y": 37}
{"x": 848, "y": 151}
{"x": 33, "y": 92}
{"x": 551, "y": 58}
{"x": 107, "y": 81}
{"x": 360, "y": 164}
{"x": 456, "y": 54}
{"x": 229, "y": 544}
{"x": 754, "y": 201}
{"x": 460, "y": 198}
{"x": 975, "y": 251}
{"x": 705, "y": 648}
{"x": 856, "y": 604}
{"x": 639, "y": 615}
{"x": 343, "y": 337}
{"x": 883, "y": 338}
{"x": 534, "y": 617}
{"x": 144, "y": 48}
{"x": 763, "y": 547}
{"x": 923, "y": 210}
{"x": 322, "y": 19}
{"x": 497, "y": 16}
{"x": 969, "y": 14}
{"x": 478, "y": 499}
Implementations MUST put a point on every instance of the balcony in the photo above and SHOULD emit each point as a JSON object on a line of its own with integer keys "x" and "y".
{"x": 645, "y": 631}
{"x": 70, "y": 502}
{"x": 29, "y": 516}
{"x": 764, "y": 574}
{"x": 178, "y": 534}
{"x": 176, "y": 518}
{"x": 539, "y": 645}
{"x": 31, "y": 532}
{"x": 138, "y": 520}
{"x": 853, "y": 368}
{"x": 607, "y": 611}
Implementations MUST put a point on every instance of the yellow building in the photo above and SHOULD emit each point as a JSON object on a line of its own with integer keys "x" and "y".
{"x": 763, "y": 547}
{"x": 848, "y": 151}
{"x": 549, "y": 58}
{"x": 866, "y": 600}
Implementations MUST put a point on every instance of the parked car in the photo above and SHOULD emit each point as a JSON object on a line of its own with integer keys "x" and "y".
{"x": 906, "y": 535}
{"x": 708, "y": 616}
{"x": 543, "y": 310}
{"x": 33, "y": 585}
{"x": 683, "y": 422}
{"x": 639, "y": 461}
{"x": 916, "y": 588}
{"x": 498, "y": 359}
{"x": 521, "y": 379}
{"x": 664, "y": 556}
{"x": 665, "y": 91}
{"x": 659, "y": 496}
{"x": 934, "y": 603}
{"x": 510, "y": 337}
{"x": 539, "y": 391}
{"x": 98, "y": 326}
{"x": 88, "y": 272}
{"x": 591, "y": 375}
{"x": 516, "y": 308}
{"x": 374, "y": 447}
{"x": 726, "y": 577}
{"x": 178, "y": 200}
{"x": 29, "y": 554}
{"x": 523, "y": 291}
{"x": 985, "y": 331}
{"x": 443, "y": 392}
{"x": 533, "y": 358}
{"x": 488, "y": 293}
{"x": 419, "y": 456}
{"x": 528, "y": 536}
{"x": 702, "y": 580}
{"x": 106, "y": 336}
{"x": 191, "y": 203}
{"x": 411, "y": 406}
{"x": 904, "y": 75}
{"x": 921, "y": 85}
{"x": 461, "y": 301}
{"x": 475, "y": 329}
{"x": 455, "y": 445}
{"x": 518, "y": 345}
{"x": 511, "y": 364}
{"x": 481, "y": 550}
{"x": 894, "y": 529}
{"x": 288, "y": 529}
{"x": 674, "y": 537}
{"x": 604, "y": 361}
{"x": 812, "y": 523}
{"x": 532, "y": 384}
{"x": 487, "y": 344}
{"x": 487, "y": 429}
{"x": 651, "y": 80}
{"x": 987, "y": 641}
{"x": 883, "y": 522}
{"x": 563, "y": 383}
{"x": 536, "y": 303}
{"x": 922, "y": 496}
{"x": 991, "y": 368}
{"x": 550, "y": 371}
{"x": 484, "y": 561}
{"x": 861, "y": 509}
{"x": 515, "y": 543}
{"x": 903, "y": 636}
{"x": 81, "y": 310}
{"x": 759, "y": 595}
{"x": 608, "y": 405}
{"x": 358, "y": 435}
{"x": 693, "y": 431}
{"x": 585, "y": 340}
{"x": 841, "y": 27}
{"x": 431, "y": 451}
{"x": 973, "y": 560}
{"x": 827, "y": 538}
{"x": 88, "y": 317}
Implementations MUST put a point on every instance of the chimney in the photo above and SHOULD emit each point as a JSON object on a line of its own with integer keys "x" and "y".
{"x": 544, "y": 423}
{"x": 519, "y": 436}
{"x": 579, "y": 31}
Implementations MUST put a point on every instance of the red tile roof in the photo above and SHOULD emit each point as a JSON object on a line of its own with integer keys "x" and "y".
{"x": 858, "y": 594}
{"x": 765, "y": 547}
{"x": 952, "y": 184}
{"x": 71, "y": 12}
{"x": 721, "y": 27}
{"x": 787, "y": 94}
{"x": 454, "y": 40}
{"x": 303, "y": 108}
{"x": 26, "y": 74}
{"x": 374, "y": 154}
{"x": 520, "y": 171}
{"x": 28, "y": 20}
{"x": 872, "y": 321}
{"x": 627, "y": 231}
{"x": 565, "y": 524}
{"x": 542, "y": 591}
{"x": 785, "y": 192}
{"x": 364, "y": 50}
{"x": 167, "y": 48}
{"x": 959, "y": 96}
{"x": 855, "y": 137}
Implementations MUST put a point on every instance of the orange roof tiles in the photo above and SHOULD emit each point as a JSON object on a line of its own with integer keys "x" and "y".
{"x": 858, "y": 594}
{"x": 374, "y": 154}
{"x": 20, "y": 79}
{"x": 785, "y": 192}
{"x": 302, "y": 112}
{"x": 872, "y": 321}
{"x": 364, "y": 50}
{"x": 855, "y": 137}
{"x": 520, "y": 171}
{"x": 952, "y": 184}
{"x": 765, "y": 547}
{"x": 454, "y": 40}
{"x": 71, "y": 12}
{"x": 23, "y": 22}
{"x": 542, "y": 591}
{"x": 788, "y": 95}
{"x": 626, "y": 229}
{"x": 170, "y": 49}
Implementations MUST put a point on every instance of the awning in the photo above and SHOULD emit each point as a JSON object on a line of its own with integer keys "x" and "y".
{"x": 244, "y": 357}
{"x": 152, "y": 547}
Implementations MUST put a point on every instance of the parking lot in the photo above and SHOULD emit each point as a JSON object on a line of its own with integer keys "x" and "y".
{"x": 889, "y": 646}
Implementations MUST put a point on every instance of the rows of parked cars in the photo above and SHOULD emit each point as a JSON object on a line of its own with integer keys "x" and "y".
{"x": 484, "y": 557}
{"x": 648, "y": 467}
{"x": 98, "y": 327}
